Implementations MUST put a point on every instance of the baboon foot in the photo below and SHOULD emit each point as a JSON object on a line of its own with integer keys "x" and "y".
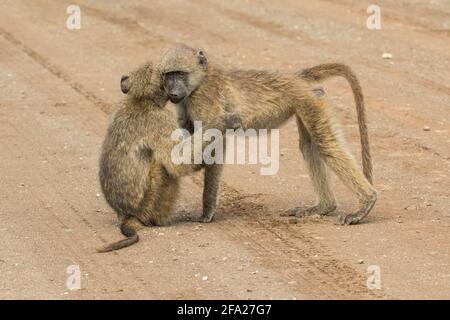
{"x": 356, "y": 217}
{"x": 302, "y": 212}
{"x": 203, "y": 218}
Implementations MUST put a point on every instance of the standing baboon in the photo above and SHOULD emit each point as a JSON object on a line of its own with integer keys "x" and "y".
{"x": 137, "y": 175}
{"x": 266, "y": 100}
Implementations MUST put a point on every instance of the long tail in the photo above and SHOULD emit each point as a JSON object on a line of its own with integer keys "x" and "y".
{"x": 327, "y": 70}
{"x": 129, "y": 229}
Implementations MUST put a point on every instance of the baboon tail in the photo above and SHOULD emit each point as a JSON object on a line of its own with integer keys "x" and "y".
{"x": 129, "y": 229}
{"x": 327, "y": 70}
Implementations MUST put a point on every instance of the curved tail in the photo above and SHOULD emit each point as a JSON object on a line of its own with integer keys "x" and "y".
{"x": 327, "y": 70}
{"x": 129, "y": 229}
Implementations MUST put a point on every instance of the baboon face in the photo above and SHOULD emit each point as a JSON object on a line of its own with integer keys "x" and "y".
{"x": 182, "y": 70}
{"x": 140, "y": 83}
{"x": 176, "y": 85}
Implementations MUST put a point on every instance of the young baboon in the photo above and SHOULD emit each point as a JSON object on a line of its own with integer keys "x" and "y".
{"x": 137, "y": 175}
{"x": 266, "y": 100}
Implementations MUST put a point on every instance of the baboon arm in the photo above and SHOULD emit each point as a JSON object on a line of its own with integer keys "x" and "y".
{"x": 179, "y": 170}
{"x": 162, "y": 145}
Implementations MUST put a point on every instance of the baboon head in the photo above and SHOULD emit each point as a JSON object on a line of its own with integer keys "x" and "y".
{"x": 141, "y": 83}
{"x": 182, "y": 69}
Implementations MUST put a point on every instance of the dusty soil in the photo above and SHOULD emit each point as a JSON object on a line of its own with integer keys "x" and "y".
{"x": 58, "y": 90}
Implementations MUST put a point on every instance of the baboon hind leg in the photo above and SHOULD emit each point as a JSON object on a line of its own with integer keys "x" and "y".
{"x": 319, "y": 124}
{"x": 159, "y": 200}
{"x": 319, "y": 176}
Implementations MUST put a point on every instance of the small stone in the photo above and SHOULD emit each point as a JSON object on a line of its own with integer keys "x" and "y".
{"x": 360, "y": 261}
{"x": 386, "y": 55}
{"x": 205, "y": 278}
{"x": 98, "y": 195}
{"x": 60, "y": 104}
{"x": 426, "y": 128}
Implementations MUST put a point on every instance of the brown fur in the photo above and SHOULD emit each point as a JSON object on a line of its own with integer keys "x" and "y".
{"x": 137, "y": 176}
{"x": 268, "y": 99}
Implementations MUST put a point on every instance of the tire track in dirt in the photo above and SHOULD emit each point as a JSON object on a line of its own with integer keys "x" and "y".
{"x": 338, "y": 278}
{"x": 303, "y": 259}
{"x": 125, "y": 22}
{"x": 56, "y": 225}
{"x": 45, "y": 63}
{"x": 404, "y": 18}
{"x": 133, "y": 26}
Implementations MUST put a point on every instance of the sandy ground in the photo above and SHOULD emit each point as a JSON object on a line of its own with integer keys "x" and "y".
{"x": 58, "y": 91}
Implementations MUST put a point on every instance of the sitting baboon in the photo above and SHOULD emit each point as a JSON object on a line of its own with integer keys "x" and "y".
{"x": 137, "y": 175}
{"x": 265, "y": 100}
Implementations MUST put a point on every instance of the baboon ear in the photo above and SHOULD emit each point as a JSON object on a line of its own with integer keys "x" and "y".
{"x": 202, "y": 58}
{"x": 124, "y": 84}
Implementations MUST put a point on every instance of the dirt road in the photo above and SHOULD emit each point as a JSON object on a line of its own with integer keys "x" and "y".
{"x": 58, "y": 90}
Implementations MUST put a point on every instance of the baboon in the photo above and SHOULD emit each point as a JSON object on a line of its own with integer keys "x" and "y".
{"x": 266, "y": 100}
{"x": 137, "y": 175}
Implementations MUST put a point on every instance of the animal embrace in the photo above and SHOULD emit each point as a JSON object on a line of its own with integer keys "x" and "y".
{"x": 139, "y": 177}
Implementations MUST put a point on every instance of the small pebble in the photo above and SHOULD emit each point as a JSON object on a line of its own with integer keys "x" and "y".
{"x": 205, "y": 278}
{"x": 426, "y": 128}
{"x": 386, "y": 55}
{"x": 360, "y": 261}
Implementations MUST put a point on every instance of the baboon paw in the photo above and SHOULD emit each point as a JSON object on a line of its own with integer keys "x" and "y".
{"x": 291, "y": 212}
{"x": 315, "y": 210}
{"x": 305, "y": 212}
{"x": 202, "y": 219}
{"x": 348, "y": 219}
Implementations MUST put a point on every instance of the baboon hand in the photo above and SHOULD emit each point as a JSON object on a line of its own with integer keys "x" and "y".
{"x": 233, "y": 121}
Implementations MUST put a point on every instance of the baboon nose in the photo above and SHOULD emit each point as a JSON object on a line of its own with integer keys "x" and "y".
{"x": 175, "y": 97}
